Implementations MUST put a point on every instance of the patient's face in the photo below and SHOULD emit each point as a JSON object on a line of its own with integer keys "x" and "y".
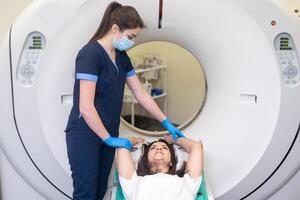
{"x": 159, "y": 153}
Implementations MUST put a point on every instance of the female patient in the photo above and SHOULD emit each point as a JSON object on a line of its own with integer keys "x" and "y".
{"x": 156, "y": 177}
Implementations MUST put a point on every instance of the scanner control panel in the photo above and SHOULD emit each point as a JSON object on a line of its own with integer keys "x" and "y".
{"x": 288, "y": 58}
{"x": 29, "y": 58}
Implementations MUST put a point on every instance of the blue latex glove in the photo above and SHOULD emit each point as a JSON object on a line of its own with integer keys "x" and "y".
{"x": 172, "y": 129}
{"x": 118, "y": 142}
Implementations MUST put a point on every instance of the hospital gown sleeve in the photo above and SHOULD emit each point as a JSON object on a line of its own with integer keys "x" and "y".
{"x": 192, "y": 184}
{"x": 129, "y": 186}
{"x": 88, "y": 64}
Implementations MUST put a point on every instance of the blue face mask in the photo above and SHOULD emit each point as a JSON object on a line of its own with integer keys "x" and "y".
{"x": 123, "y": 44}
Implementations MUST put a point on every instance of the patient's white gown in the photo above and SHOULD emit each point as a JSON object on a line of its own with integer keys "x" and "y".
{"x": 160, "y": 186}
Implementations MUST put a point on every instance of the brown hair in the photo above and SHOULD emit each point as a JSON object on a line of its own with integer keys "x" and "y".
{"x": 143, "y": 167}
{"x": 126, "y": 17}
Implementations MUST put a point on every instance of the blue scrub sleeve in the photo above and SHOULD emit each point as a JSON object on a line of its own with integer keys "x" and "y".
{"x": 129, "y": 68}
{"x": 88, "y": 64}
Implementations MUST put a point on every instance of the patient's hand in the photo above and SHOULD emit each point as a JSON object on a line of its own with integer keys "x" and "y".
{"x": 169, "y": 139}
{"x": 136, "y": 140}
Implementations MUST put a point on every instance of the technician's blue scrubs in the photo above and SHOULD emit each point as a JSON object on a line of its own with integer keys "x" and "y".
{"x": 90, "y": 159}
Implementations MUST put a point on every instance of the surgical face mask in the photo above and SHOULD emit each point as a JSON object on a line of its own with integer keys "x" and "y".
{"x": 123, "y": 44}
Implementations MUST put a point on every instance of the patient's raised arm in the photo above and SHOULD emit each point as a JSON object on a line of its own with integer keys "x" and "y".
{"x": 125, "y": 163}
{"x": 194, "y": 163}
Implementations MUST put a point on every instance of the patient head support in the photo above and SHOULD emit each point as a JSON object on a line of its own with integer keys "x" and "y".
{"x": 159, "y": 156}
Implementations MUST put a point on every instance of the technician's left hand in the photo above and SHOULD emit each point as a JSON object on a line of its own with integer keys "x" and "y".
{"x": 172, "y": 129}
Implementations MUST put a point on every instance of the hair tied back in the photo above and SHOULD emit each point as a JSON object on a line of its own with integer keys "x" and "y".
{"x": 115, "y": 5}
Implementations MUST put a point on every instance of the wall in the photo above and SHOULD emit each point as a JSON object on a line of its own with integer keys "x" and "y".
{"x": 9, "y": 10}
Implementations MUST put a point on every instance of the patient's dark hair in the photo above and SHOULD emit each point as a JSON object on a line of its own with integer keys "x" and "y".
{"x": 143, "y": 167}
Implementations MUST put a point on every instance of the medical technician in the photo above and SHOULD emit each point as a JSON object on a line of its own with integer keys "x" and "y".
{"x": 102, "y": 68}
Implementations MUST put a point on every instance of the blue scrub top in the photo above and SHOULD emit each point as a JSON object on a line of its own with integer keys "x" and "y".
{"x": 94, "y": 64}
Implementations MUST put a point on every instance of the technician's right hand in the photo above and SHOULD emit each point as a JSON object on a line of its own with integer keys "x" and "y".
{"x": 118, "y": 142}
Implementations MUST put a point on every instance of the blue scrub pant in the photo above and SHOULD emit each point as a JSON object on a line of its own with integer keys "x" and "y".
{"x": 90, "y": 161}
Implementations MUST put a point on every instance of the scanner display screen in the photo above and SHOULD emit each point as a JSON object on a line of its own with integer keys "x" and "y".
{"x": 285, "y": 44}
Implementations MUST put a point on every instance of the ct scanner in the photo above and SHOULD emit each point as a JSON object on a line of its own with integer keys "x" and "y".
{"x": 249, "y": 50}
